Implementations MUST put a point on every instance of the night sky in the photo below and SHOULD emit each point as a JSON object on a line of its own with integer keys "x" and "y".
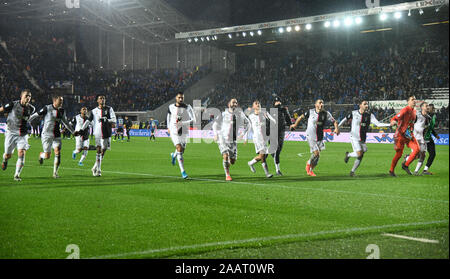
{"x": 240, "y": 12}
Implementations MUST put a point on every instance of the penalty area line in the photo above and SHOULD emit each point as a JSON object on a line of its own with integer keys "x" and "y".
{"x": 410, "y": 238}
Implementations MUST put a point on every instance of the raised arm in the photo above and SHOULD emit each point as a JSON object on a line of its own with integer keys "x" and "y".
{"x": 377, "y": 123}
{"x": 299, "y": 119}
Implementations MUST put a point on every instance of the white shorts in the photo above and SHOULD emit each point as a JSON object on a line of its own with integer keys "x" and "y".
{"x": 79, "y": 143}
{"x": 358, "y": 146}
{"x": 229, "y": 148}
{"x": 49, "y": 143}
{"x": 105, "y": 144}
{"x": 316, "y": 145}
{"x": 176, "y": 139}
{"x": 260, "y": 146}
{"x": 12, "y": 141}
{"x": 422, "y": 145}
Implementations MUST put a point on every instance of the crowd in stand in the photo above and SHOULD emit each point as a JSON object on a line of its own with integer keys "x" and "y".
{"x": 383, "y": 71}
{"x": 43, "y": 61}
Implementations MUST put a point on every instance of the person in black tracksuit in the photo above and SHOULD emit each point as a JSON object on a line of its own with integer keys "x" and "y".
{"x": 283, "y": 119}
{"x": 128, "y": 125}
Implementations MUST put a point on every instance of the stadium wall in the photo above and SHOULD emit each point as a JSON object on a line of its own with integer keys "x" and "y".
{"x": 386, "y": 138}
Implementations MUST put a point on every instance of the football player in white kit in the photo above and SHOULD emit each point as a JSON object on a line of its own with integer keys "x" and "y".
{"x": 102, "y": 118}
{"x": 317, "y": 118}
{"x": 361, "y": 120}
{"x": 179, "y": 118}
{"x": 260, "y": 139}
{"x": 420, "y": 128}
{"x": 16, "y": 130}
{"x": 82, "y": 140}
{"x": 53, "y": 115}
{"x": 226, "y": 127}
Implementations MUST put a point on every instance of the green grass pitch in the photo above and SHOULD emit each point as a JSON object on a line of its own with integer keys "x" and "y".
{"x": 142, "y": 208}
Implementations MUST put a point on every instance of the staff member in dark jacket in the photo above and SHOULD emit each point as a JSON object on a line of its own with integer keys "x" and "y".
{"x": 128, "y": 125}
{"x": 429, "y": 140}
{"x": 283, "y": 119}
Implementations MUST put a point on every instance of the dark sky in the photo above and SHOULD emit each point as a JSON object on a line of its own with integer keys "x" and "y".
{"x": 239, "y": 12}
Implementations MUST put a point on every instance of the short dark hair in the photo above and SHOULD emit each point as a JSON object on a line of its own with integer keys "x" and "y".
{"x": 410, "y": 96}
{"x": 180, "y": 93}
{"x": 56, "y": 96}
{"x": 431, "y": 105}
{"x": 99, "y": 95}
{"x": 25, "y": 91}
{"x": 360, "y": 101}
{"x": 423, "y": 103}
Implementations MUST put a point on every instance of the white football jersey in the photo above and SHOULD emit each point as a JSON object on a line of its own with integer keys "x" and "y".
{"x": 258, "y": 124}
{"x": 53, "y": 118}
{"x": 18, "y": 116}
{"x": 316, "y": 123}
{"x": 422, "y": 123}
{"x": 179, "y": 118}
{"x": 226, "y": 125}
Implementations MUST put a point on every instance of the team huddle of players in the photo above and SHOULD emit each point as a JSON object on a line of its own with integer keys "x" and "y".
{"x": 21, "y": 112}
{"x": 413, "y": 129}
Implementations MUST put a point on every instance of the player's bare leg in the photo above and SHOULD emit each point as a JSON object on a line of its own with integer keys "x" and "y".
{"x": 96, "y": 170}
{"x": 360, "y": 155}
{"x": 44, "y": 156}
{"x": 56, "y": 162}
{"x": 180, "y": 159}
{"x": 6, "y": 157}
{"x": 226, "y": 166}
{"x": 20, "y": 163}
{"x": 83, "y": 156}
{"x": 312, "y": 163}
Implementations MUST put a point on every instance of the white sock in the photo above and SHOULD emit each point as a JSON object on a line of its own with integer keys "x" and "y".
{"x": 356, "y": 164}
{"x": 252, "y": 162}
{"x": 4, "y": 157}
{"x": 407, "y": 157}
{"x": 83, "y": 156}
{"x": 56, "y": 163}
{"x": 180, "y": 161}
{"x": 277, "y": 167}
{"x": 419, "y": 165}
{"x": 265, "y": 168}
{"x": 425, "y": 168}
{"x": 19, "y": 165}
{"x": 353, "y": 154}
{"x": 226, "y": 167}
{"x": 98, "y": 161}
{"x": 76, "y": 151}
{"x": 42, "y": 155}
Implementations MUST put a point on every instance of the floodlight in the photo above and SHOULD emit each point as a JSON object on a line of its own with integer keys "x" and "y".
{"x": 397, "y": 15}
{"x": 383, "y": 17}
{"x": 308, "y": 26}
{"x": 327, "y": 24}
{"x": 297, "y": 28}
{"x": 336, "y": 23}
{"x": 348, "y": 21}
{"x": 288, "y": 29}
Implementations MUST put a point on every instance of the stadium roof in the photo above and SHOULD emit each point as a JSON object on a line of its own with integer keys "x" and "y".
{"x": 405, "y": 18}
{"x": 150, "y": 21}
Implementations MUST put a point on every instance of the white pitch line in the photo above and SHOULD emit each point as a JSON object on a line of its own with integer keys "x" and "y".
{"x": 270, "y": 185}
{"x": 411, "y": 238}
{"x": 221, "y": 244}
